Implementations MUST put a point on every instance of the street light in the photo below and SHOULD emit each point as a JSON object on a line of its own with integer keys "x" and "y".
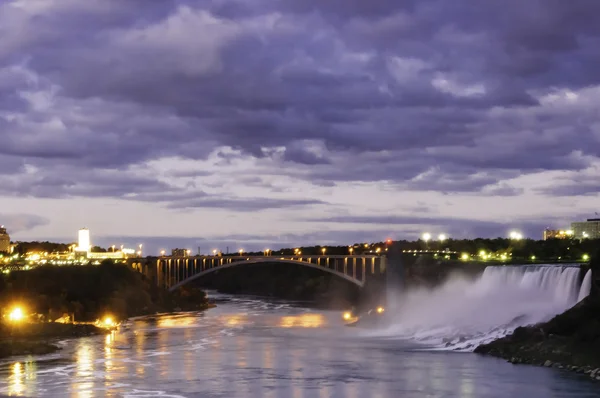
{"x": 351, "y": 249}
{"x": 442, "y": 237}
{"x": 241, "y": 251}
{"x": 426, "y": 237}
{"x": 323, "y": 250}
{"x": 162, "y": 252}
{"x": 16, "y": 315}
{"x": 586, "y": 257}
{"x": 113, "y": 248}
{"x": 214, "y": 252}
{"x": 378, "y": 250}
{"x": 515, "y": 235}
{"x": 188, "y": 251}
{"x": 267, "y": 252}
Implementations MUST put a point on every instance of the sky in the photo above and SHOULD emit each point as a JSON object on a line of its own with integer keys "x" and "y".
{"x": 260, "y": 123}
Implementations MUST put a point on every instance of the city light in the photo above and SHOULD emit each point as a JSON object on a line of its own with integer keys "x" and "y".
{"x": 241, "y": 251}
{"x": 16, "y": 315}
{"x": 515, "y": 235}
{"x": 188, "y": 251}
{"x": 214, "y": 252}
{"x": 533, "y": 258}
{"x": 442, "y": 237}
{"x": 426, "y": 236}
{"x": 162, "y": 252}
{"x": 350, "y": 249}
{"x": 267, "y": 252}
{"x": 378, "y": 250}
{"x": 323, "y": 250}
{"x": 586, "y": 257}
{"x": 380, "y": 310}
{"x": 465, "y": 256}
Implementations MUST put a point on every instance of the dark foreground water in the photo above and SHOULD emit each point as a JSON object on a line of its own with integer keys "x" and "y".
{"x": 253, "y": 348}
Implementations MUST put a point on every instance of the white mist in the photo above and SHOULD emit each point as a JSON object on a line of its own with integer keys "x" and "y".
{"x": 463, "y": 313}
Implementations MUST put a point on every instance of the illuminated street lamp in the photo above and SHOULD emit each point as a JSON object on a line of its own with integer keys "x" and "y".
{"x": 350, "y": 249}
{"x": 113, "y": 248}
{"x": 140, "y": 251}
{"x": 267, "y": 252}
{"x": 323, "y": 250}
{"x": 378, "y": 250}
{"x": 241, "y": 251}
{"x": 214, "y": 252}
{"x": 162, "y": 252}
{"x": 586, "y": 257}
{"x": 442, "y": 237}
{"x": 188, "y": 252}
{"x": 426, "y": 237}
{"x": 16, "y": 315}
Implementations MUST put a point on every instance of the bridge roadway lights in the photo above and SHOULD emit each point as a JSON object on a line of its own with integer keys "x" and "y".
{"x": 171, "y": 272}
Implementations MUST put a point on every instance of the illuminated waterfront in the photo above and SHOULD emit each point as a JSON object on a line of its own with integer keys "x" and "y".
{"x": 254, "y": 348}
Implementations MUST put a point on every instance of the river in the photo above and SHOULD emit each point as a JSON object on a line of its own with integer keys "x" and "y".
{"x": 249, "y": 347}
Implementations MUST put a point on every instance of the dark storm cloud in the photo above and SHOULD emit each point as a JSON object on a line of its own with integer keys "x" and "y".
{"x": 574, "y": 187}
{"x": 246, "y": 204}
{"x": 428, "y": 95}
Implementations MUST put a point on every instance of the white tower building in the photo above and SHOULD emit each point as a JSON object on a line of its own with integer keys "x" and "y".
{"x": 83, "y": 244}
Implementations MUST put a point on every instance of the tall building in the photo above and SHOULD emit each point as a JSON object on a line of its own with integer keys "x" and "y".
{"x": 4, "y": 240}
{"x": 589, "y": 229}
{"x": 83, "y": 242}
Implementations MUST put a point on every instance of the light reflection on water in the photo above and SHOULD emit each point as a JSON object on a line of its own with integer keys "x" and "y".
{"x": 256, "y": 349}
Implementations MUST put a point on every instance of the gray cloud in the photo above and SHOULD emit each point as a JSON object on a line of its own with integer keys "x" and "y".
{"x": 429, "y": 95}
{"x": 18, "y": 223}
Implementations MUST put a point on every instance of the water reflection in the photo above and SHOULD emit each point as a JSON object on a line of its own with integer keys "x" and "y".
{"x": 303, "y": 321}
{"x": 15, "y": 381}
{"x": 237, "y": 353}
{"x": 83, "y": 382}
{"x": 176, "y": 321}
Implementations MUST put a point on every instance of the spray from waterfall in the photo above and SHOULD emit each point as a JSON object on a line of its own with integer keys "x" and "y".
{"x": 463, "y": 313}
{"x": 586, "y": 286}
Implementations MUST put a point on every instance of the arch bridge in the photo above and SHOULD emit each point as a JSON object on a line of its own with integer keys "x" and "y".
{"x": 171, "y": 272}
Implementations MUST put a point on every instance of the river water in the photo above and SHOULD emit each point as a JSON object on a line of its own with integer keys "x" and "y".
{"x": 249, "y": 347}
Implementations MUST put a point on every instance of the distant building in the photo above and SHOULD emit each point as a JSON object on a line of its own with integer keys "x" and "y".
{"x": 557, "y": 234}
{"x": 105, "y": 255}
{"x": 5, "y": 246}
{"x": 83, "y": 242}
{"x": 589, "y": 229}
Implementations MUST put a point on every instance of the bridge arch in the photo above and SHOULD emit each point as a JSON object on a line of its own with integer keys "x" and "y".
{"x": 359, "y": 283}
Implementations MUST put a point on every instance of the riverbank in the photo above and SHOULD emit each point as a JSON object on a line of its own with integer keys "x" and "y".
{"x": 38, "y": 338}
{"x": 84, "y": 294}
{"x": 569, "y": 341}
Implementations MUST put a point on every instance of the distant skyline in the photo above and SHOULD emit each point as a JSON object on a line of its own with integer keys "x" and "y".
{"x": 297, "y": 121}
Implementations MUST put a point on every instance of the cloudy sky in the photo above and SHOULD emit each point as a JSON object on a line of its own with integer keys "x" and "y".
{"x": 261, "y": 122}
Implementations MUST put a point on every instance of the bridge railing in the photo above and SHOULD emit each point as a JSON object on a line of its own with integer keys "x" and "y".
{"x": 172, "y": 270}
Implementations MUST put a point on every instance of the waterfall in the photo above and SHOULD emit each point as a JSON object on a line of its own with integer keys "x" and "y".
{"x": 463, "y": 313}
{"x": 586, "y": 286}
